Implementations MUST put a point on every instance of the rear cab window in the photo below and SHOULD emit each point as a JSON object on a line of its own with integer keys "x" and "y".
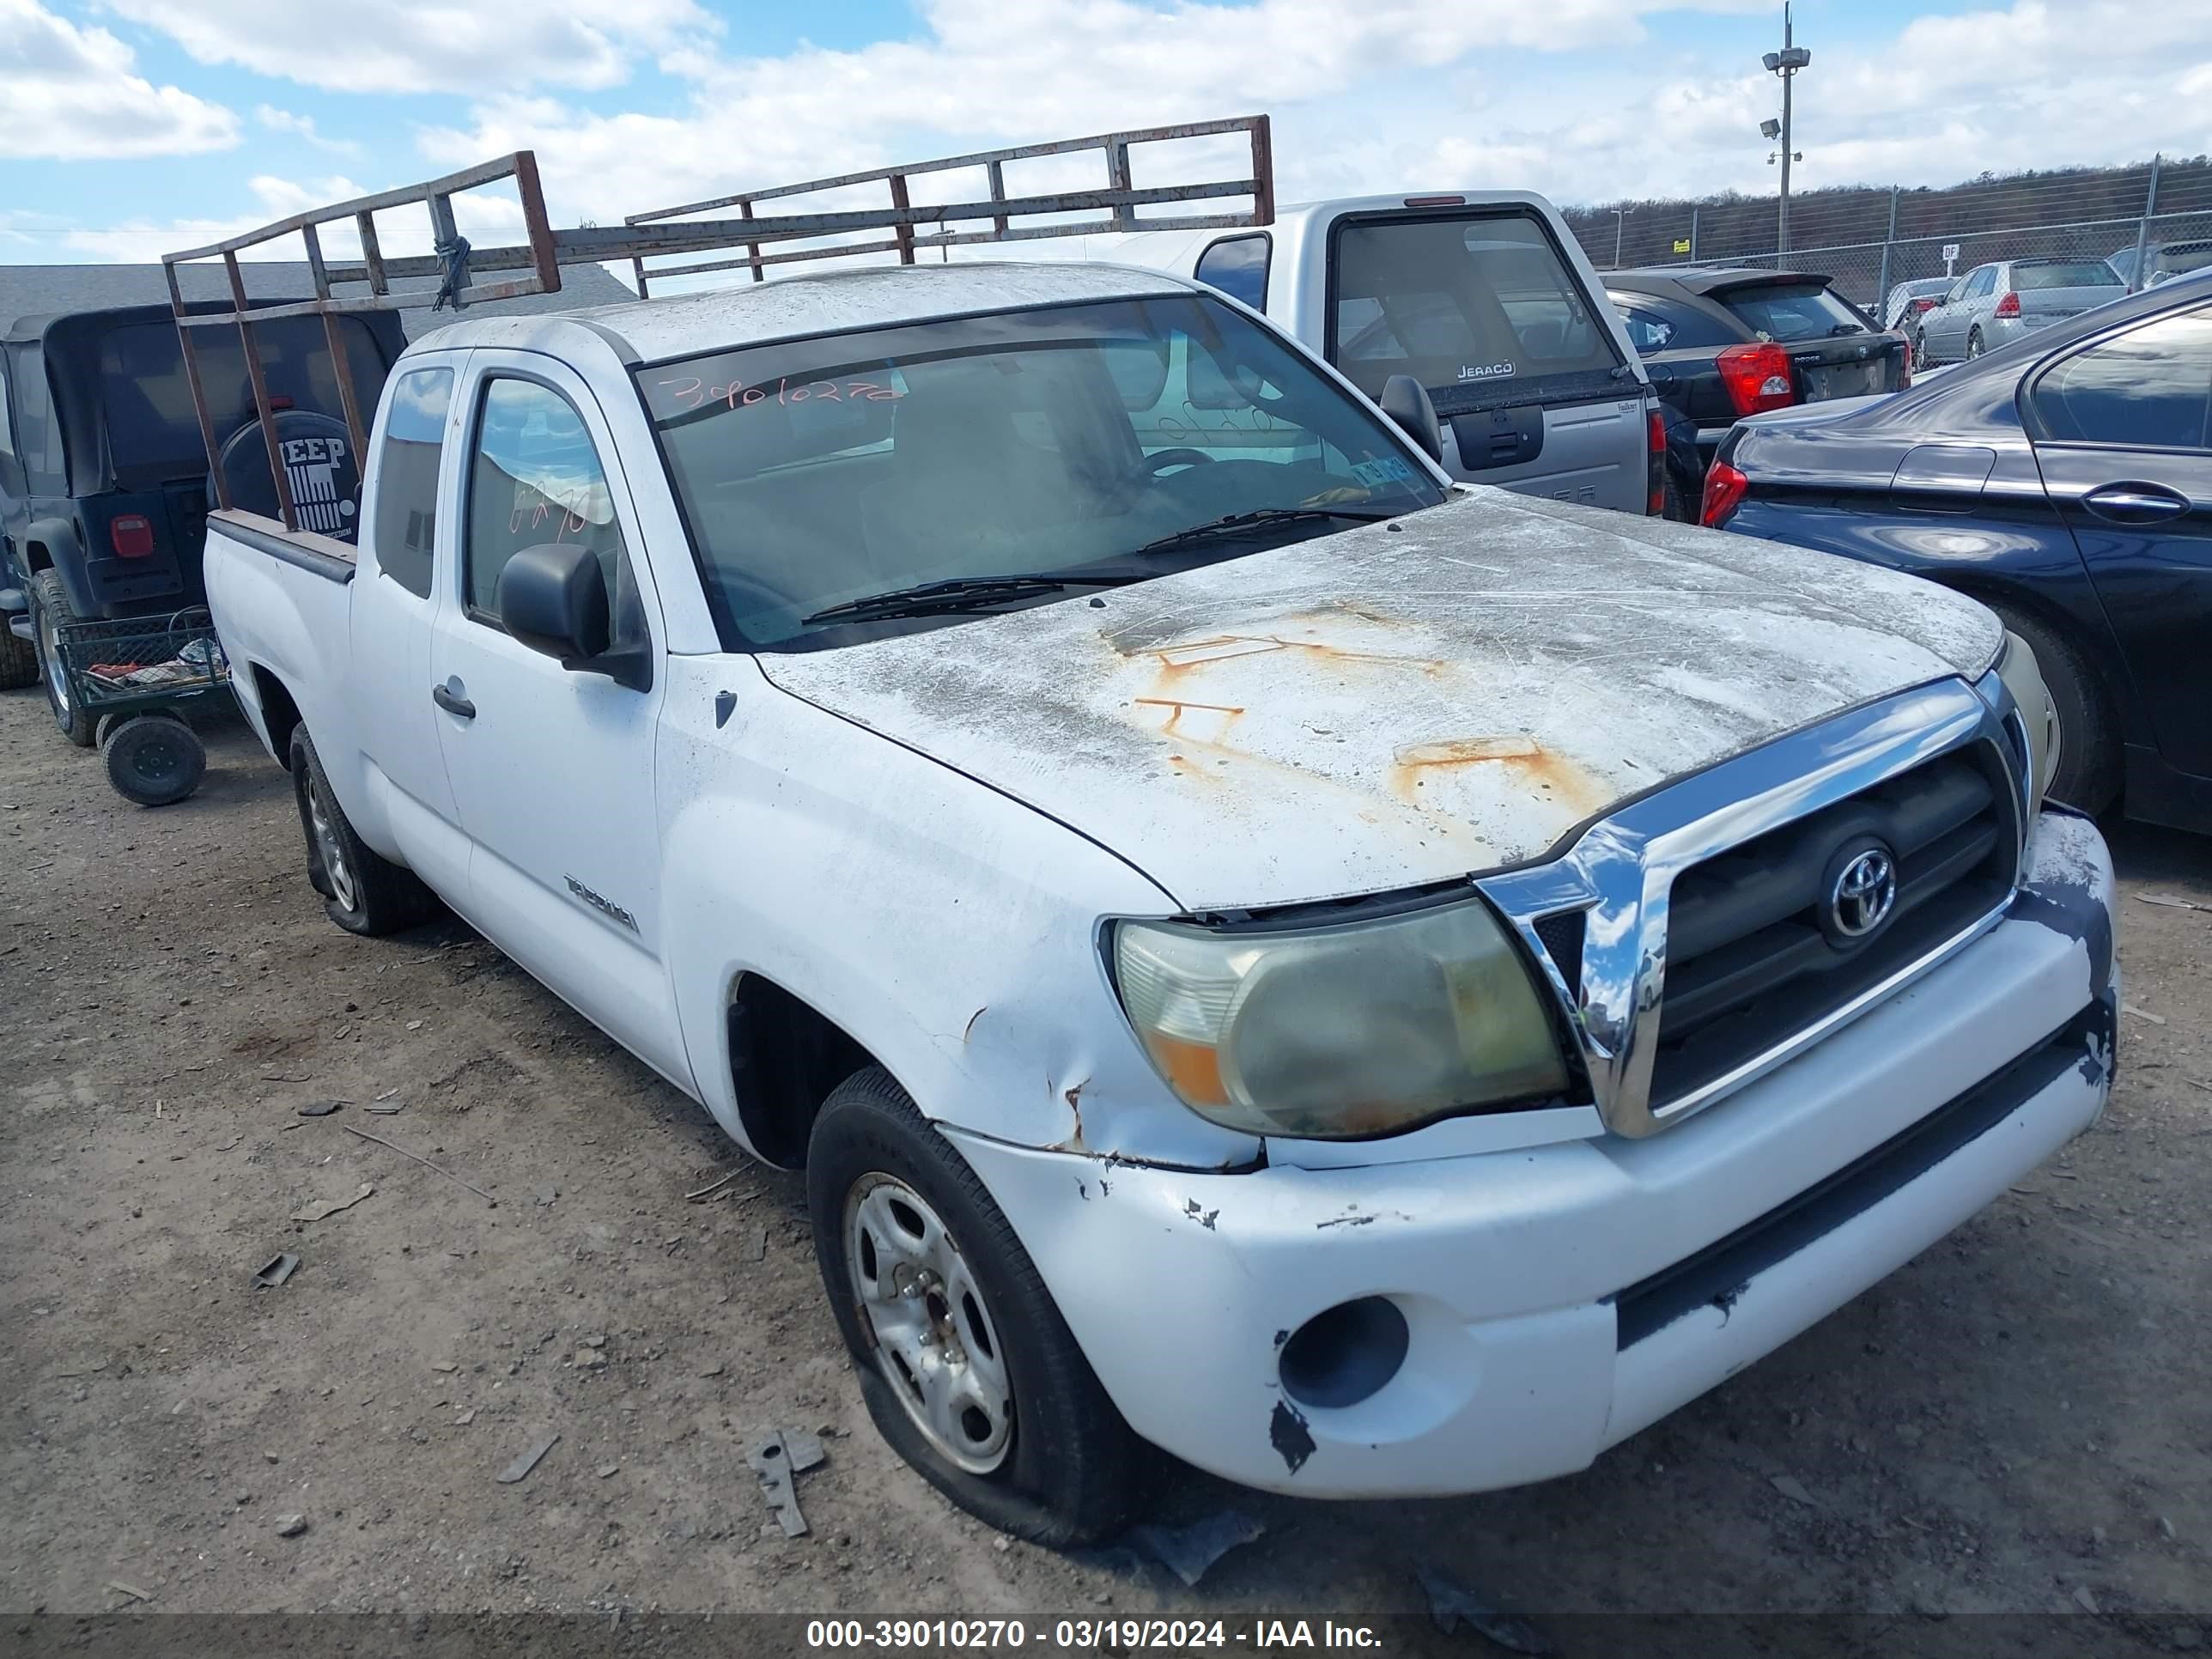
{"x": 1465, "y": 302}
{"x": 1791, "y": 312}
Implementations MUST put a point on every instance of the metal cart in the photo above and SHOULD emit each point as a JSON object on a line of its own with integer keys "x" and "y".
{"x": 137, "y": 674}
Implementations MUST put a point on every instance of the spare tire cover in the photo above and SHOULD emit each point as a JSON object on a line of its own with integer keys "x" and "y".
{"x": 319, "y": 465}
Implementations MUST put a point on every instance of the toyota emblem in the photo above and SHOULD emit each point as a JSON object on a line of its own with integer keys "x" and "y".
{"x": 1864, "y": 894}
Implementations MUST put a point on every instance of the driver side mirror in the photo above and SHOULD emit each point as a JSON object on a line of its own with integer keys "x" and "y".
{"x": 553, "y": 598}
{"x": 1406, "y": 401}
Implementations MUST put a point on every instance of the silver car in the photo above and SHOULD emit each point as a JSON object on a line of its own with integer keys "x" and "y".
{"x": 1994, "y": 305}
{"x": 1908, "y": 300}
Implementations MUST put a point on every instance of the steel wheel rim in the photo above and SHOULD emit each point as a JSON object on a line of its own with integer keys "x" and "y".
{"x": 936, "y": 1343}
{"x": 56, "y": 679}
{"x": 330, "y": 849}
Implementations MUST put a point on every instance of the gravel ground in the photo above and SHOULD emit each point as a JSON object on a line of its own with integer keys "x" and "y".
{"x": 2018, "y": 1422}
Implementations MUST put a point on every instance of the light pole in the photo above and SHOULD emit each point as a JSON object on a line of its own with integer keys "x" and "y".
{"x": 1620, "y": 227}
{"x": 1785, "y": 62}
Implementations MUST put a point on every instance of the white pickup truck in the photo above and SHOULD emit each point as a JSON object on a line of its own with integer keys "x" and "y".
{"x": 1485, "y": 298}
{"x": 1372, "y": 985}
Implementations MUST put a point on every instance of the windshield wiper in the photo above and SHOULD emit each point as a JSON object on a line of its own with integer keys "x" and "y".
{"x": 1237, "y": 523}
{"x": 960, "y": 594}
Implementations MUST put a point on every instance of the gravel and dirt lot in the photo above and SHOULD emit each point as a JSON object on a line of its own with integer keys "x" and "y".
{"x": 2020, "y": 1421}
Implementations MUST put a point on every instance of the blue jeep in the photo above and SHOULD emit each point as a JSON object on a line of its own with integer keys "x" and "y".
{"x": 103, "y": 478}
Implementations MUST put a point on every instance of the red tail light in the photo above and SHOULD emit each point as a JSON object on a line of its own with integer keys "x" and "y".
{"x": 2007, "y": 306}
{"x": 1724, "y": 491}
{"x": 1655, "y": 499}
{"x": 1757, "y": 377}
{"x": 131, "y": 535}
{"x": 1927, "y": 304}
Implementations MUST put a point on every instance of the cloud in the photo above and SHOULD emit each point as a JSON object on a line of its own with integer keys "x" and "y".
{"x": 302, "y": 127}
{"x": 405, "y": 47}
{"x": 70, "y": 94}
{"x": 1572, "y": 99}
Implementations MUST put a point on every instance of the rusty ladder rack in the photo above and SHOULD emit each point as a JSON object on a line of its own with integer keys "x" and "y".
{"x": 1118, "y": 200}
{"x": 666, "y": 231}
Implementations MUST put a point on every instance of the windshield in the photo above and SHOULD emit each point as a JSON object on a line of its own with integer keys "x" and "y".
{"x": 152, "y": 434}
{"x": 1793, "y": 311}
{"x": 1460, "y": 300}
{"x": 2073, "y": 273}
{"x": 1061, "y": 441}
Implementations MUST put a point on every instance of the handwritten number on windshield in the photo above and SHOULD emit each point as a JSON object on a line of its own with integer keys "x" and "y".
{"x": 691, "y": 392}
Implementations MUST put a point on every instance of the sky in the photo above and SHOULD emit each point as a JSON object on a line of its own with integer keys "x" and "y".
{"x": 132, "y": 127}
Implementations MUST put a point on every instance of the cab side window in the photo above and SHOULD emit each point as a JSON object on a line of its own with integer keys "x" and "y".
{"x": 534, "y": 477}
{"x": 1237, "y": 265}
{"x": 407, "y": 478}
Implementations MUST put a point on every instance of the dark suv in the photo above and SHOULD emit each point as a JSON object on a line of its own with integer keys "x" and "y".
{"x": 104, "y": 478}
{"x": 1721, "y": 343}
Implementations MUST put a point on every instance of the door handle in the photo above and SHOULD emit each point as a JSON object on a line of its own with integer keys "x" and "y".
{"x": 2135, "y": 503}
{"x": 448, "y": 697}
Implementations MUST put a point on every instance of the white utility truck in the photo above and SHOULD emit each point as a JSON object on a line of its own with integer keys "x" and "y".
{"x": 1373, "y": 986}
{"x": 1484, "y": 297}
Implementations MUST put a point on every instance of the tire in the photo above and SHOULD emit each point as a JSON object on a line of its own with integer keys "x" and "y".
{"x": 19, "y": 660}
{"x": 1974, "y": 346}
{"x": 152, "y": 759}
{"x": 363, "y": 892}
{"x": 2088, "y": 772}
{"x": 1923, "y": 355}
{"x": 1058, "y": 1467}
{"x": 1678, "y": 499}
{"x": 50, "y": 609}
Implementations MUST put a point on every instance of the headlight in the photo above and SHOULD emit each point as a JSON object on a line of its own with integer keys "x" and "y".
{"x": 2023, "y": 677}
{"x": 1339, "y": 1032}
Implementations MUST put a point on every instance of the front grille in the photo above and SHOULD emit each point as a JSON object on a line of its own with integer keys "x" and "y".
{"x": 1753, "y": 954}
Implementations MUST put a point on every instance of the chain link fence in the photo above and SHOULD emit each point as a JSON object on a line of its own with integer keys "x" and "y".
{"x": 2151, "y": 221}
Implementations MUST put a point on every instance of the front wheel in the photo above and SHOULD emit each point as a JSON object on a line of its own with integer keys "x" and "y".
{"x": 50, "y": 609}
{"x": 967, "y": 1367}
{"x": 363, "y": 892}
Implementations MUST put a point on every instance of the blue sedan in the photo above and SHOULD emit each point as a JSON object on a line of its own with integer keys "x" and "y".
{"x": 2066, "y": 482}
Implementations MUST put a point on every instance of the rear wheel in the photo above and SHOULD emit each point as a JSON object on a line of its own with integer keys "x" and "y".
{"x": 363, "y": 892}
{"x": 50, "y": 609}
{"x": 1974, "y": 346}
{"x": 2088, "y": 772}
{"x": 967, "y": 1367}
{"x": 152, "y": 759}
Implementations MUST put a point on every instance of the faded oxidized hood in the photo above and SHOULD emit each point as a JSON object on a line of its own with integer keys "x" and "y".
{"x": 1400, "y": 703}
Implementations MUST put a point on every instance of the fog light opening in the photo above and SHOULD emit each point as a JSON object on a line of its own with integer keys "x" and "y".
{"x": 1345, "y": 1354}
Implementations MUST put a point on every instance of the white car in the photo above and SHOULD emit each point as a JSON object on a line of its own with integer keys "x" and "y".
{"x": 1374, "y": 987}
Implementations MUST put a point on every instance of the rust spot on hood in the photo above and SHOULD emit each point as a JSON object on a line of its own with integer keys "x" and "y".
{"x": 1536, "y": 767}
